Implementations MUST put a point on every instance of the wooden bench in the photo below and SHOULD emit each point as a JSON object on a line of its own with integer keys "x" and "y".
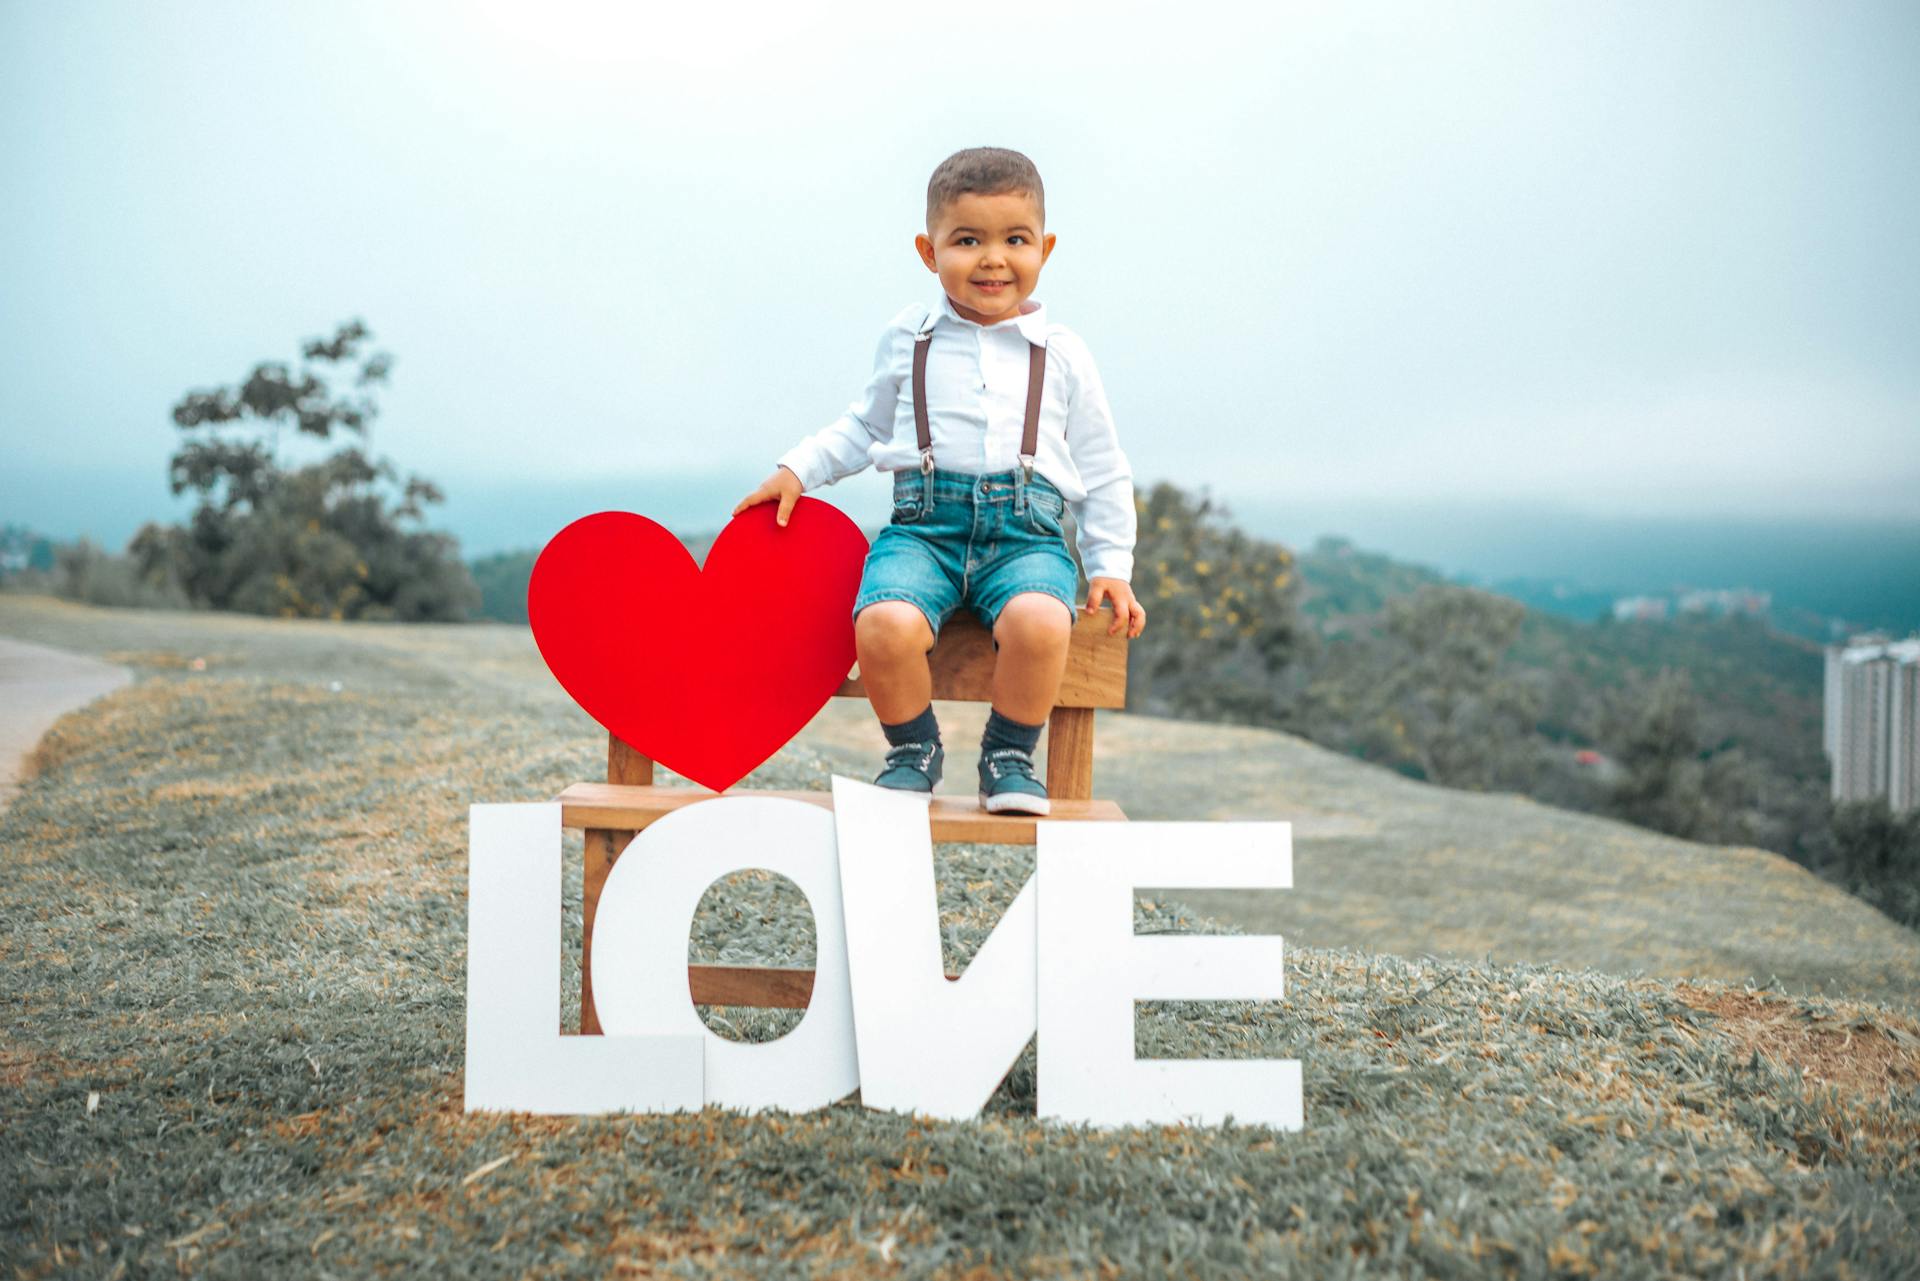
{"x": 611, "y": 813}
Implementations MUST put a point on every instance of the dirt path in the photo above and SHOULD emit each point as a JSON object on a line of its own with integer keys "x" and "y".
{"x": 37, "y": 686}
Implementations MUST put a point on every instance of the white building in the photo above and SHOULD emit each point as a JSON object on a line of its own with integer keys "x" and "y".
{"x": 1872, "y": 721}
{"x": 1640, "y": 608}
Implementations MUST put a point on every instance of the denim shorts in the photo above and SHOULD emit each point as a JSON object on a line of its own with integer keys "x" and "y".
{"x": 969, "y": 545}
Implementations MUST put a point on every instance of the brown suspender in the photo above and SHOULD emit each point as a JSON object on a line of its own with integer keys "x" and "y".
{"x": 1029, "y": 433}
{"x": 1036, "y": 377}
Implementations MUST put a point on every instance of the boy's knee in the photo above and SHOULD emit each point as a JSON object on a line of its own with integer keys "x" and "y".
{"x": 1033, "y": 620}
{"x": 892, "y": 628}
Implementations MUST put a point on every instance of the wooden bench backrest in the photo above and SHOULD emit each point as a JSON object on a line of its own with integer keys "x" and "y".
{"x": 962, "y": 664}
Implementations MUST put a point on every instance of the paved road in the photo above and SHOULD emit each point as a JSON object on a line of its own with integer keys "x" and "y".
{"x": 37, "y": 686}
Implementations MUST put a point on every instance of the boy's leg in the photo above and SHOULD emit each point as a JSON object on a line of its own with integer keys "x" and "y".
{"x": 909, "y": 585}
{"x": 1033, "y": 635}
{"x": 906, "y": 591}
{"x": 891, "y": 639}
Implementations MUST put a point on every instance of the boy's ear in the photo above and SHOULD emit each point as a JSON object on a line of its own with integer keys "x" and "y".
{"x": 1046, "y": 247}
{"x": 925, "y": 246}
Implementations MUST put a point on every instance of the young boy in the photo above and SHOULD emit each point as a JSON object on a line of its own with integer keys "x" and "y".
{"x": 993, "y": 420}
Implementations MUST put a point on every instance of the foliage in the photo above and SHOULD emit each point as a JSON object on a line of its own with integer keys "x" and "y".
{"x": 1876, "y": 855}
{"x": 1430, "y": 690}
{"x": 84, "y": 571}
{"x": 1671, "y": 780}
{"x": 334, "y": 538}
{"x": 502, "y": 579}
{"x": 1221, "y": 618}
{"x": 1341, "y": 582}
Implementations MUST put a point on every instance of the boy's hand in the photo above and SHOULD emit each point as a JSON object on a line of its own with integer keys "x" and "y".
{"x": 1124, "y": 605}
{"x": 782, "y": 485}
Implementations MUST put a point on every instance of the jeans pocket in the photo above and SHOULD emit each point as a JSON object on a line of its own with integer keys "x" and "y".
{"x": 908, "y": 508}
{"x": 1044, "y": 512}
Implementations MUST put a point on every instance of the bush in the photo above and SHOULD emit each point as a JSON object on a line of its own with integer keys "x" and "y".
{"x": 1673, "y": 782}
{"x": 503, "y": 579}
{"x": 1876, "y": 855}
{"x": 86, "y": 572}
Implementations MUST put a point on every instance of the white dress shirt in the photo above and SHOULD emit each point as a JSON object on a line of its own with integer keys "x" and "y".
{"x": 976, "y": 407}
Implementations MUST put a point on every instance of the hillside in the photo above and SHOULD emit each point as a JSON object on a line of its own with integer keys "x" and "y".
{"x": 1705, "y": 727}
{"x": 1382, "y": 862}
{"x": 231, "y": 938}
{"x": 1759, "y": 683}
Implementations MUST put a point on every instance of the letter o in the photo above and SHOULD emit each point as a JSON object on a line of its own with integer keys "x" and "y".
{"x": 640, "y": 946}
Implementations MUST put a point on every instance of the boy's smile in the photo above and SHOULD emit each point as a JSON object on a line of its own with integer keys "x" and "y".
{"x": 987, "y": 251}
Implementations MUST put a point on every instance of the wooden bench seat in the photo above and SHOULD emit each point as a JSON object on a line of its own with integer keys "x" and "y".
{"x": 955, "y": 818}
{"x": 962, "y": 659}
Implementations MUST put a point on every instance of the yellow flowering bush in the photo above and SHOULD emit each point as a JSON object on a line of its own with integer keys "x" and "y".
{"x": 1221, "y": 616}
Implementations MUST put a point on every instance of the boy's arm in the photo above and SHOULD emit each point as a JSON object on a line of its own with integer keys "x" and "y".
{"x": 840, "y": 449}
{"x": 1105, "y": 518}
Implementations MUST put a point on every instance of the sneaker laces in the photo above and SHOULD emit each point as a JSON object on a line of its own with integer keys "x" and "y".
{"x": 916, "y": 755}
{"x": 1015, "y": 761}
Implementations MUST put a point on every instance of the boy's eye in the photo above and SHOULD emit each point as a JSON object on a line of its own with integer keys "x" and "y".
{"x": 1017, "y": 236}
{"x": 966, "y": 240}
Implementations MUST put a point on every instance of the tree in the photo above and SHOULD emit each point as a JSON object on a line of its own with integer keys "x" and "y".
{"x": 1444, "y": 697}
{"x": 337, "y": 538}
{"x": 1876, "y": 855}
{"x": 1672, "y": 781}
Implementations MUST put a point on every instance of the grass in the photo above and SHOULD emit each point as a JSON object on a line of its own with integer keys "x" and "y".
{"x": 231, "y": 978}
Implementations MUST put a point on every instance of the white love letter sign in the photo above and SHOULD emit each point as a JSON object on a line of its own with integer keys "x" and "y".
{"x": 1093, "y": 968}
{"x": 927, "y": 1045}
{"x": 884, "y": 1018}
{"x": 640, "y": 946}
{"x": 517, "y": 1061}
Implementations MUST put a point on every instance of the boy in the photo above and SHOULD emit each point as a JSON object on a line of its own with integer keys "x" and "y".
{"x": 993, "y": 421}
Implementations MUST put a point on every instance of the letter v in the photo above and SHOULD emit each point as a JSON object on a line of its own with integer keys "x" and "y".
{"x": 926, "y": 1044}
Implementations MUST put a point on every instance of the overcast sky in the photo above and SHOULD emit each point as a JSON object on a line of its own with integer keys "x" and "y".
{"x": 1622, "y": 259}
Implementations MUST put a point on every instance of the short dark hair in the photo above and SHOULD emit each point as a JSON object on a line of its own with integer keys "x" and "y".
{"x": 983, "y": 171}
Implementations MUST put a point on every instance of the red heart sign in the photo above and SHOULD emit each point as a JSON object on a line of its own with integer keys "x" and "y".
{"x": 708, "y": 671}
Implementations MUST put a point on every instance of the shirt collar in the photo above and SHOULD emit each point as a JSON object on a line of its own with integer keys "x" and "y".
{"x": 1032, "y": 325}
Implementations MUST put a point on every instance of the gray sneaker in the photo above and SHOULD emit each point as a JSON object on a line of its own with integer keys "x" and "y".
{"x": 912, "y": 767}
{"x": 1008, "y": 784}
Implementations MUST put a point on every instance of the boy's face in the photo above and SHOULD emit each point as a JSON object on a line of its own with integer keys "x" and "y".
{"x": 987, "y": 251}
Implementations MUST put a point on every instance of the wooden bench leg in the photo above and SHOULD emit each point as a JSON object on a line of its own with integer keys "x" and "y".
{"x": 603, "y": 847}
{"x": 624, "y": 765}
{"x": 1070, "y": 753}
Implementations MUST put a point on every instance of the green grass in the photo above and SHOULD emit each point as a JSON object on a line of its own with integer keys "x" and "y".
{"x": 232, "y": 971}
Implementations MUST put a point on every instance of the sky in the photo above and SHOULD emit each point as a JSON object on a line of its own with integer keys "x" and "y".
{"x": 1630, "y": 262}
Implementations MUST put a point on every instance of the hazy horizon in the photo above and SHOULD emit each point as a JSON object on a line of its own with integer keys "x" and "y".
{"x": 1863, "y": 569}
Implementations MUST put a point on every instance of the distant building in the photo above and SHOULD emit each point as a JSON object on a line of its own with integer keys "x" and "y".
{"x": 1640, "y": 608}
{"x": 1720, "y": 602}
{"x": 16, "y": 548}
{"x": 1725, "y": 601}
{"x": 1872, "y": 721}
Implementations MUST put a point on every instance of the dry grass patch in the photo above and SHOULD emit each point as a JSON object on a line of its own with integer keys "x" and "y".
{"x": 1857, "y": 1049}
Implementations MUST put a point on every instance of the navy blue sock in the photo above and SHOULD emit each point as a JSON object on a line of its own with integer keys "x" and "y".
{"x": 921, "y": 729}
{"x": 1003, "y": 731}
